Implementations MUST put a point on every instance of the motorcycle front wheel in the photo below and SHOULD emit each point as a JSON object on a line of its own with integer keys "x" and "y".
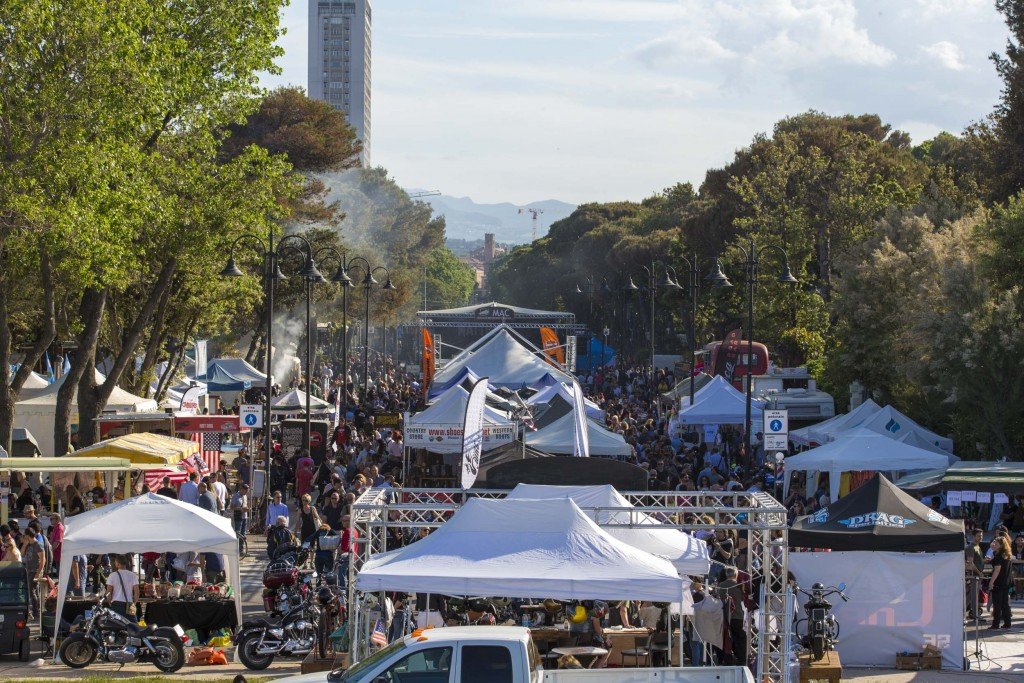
{"x": 168, "y": 652}
{"x": 817, "y": 647}
{"x": 76, "y": 651}
{"x": 248, "y": 654}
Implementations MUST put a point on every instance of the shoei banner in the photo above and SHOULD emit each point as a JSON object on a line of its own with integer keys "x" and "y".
{"x": 473, "y": 433}
{"x": 447, "y": 438}
{"x": 898, "y": 602}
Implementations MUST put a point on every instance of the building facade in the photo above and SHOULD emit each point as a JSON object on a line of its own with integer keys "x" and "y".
{"x": 339, "y": 61}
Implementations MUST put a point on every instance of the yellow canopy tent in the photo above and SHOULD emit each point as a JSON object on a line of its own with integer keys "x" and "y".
{"x": 141, "y": 449}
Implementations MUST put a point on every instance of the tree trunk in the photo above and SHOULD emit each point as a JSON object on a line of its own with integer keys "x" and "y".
{"x": 82, "y": 364}
{"x": 92, "y": 399}
{"x": 47, "y": 332}
{"x": 157, "y": 337}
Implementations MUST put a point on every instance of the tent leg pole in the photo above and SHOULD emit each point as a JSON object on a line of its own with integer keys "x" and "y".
{"x": 682, "y": 599}
{"x": 353, "y": 645}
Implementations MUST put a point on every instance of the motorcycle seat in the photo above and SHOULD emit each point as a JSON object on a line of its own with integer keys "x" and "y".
{"x": 146, "y": 632}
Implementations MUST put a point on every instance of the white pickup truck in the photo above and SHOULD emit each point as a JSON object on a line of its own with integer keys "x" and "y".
{"x": 494, "y": 654}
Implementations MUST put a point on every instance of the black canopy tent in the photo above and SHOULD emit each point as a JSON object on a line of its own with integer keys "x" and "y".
{"x": 878, "y": 516}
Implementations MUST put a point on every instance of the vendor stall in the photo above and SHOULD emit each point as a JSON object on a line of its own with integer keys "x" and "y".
{"x": 719, "y": 403}
{"x": 903, "y": 566}
{"x": 559, "y": 438}
{"x": 108, "y": 469}
{"x": 151, "y": 523}
{"x": 158, "y": 455}
{"x": 294, "y": 402}
{"x": 524, "y": 548}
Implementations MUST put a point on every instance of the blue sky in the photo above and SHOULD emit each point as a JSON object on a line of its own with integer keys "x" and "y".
{"x": 598, "y": 100}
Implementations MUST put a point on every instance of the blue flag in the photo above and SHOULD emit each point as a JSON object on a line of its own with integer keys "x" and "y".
{"x": 49, "y": 369}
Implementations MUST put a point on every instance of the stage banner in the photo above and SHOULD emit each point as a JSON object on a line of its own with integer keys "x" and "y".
{"x": 473, "y": 433}
{"x": 427, "y": 360}
{"x": 898, "y": 602}
{"x": 581, "y": 445}
{"x": 552, "y": 349}
{"x": 728, "y": 357}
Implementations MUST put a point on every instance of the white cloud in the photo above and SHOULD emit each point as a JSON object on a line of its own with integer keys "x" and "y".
{"x": 931, "y": 9}
{"x": 778, "y": 34}
{"x": 617, "y": 11}
{"x": 947, "y": 54}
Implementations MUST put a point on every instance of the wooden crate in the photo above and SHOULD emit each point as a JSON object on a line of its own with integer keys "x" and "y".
{"x": 313, "y": 664}
{"x": 829, "y": 668}
{"x": 918, "y": 661}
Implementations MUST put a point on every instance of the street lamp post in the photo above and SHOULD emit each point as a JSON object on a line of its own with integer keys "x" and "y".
{"x": 606, "y": 332}
{"x": 340, "y": 277}
{"x": 652, "y": 290}
{"x": 272, "y": 272}
{"x": 368, "y": 282}
{"x": 719, "y": 280}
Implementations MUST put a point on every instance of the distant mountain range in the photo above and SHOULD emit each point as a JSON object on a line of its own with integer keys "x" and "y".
{"x": 468, "y": 220}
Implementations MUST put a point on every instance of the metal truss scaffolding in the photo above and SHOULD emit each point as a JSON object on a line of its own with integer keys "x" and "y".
{"x": 757, "y": 514}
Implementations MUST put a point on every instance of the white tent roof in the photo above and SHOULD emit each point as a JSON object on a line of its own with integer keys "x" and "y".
{"x": 720, "y": 403}
{"x": 593, "y": 410}
{"x": 37, "y": 414}
{"x": 34, "y": 381}
{"x": 527, "y": 549}
{"x": 861, "y": 449}
{"x": 893, "y": 423}
{"x": 559, "y": 438}
{"x": 450, "y": 408}
{"x": 295, "y": 401}
{"x": 686, "y": 553}
{"x": 914, "y": 438}
{"x": 822, "y": 432}
{"x": 504, "y": 360}
{"x": 149, "y": 523}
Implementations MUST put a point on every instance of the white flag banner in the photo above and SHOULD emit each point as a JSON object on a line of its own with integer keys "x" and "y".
{"x": 473, "y": 433}
{"x": 581, "y": 446}
{"x": 201, "y": 360}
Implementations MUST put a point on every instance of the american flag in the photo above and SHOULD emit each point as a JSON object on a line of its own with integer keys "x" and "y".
{"x": 378, "y": 637}
{"x": 209, "y": 450}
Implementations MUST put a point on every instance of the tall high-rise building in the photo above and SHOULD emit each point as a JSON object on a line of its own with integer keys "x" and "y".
{"x": 339, "y": 60}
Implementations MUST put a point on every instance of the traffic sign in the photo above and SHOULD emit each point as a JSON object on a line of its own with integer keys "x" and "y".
{"x": 776, "y": 430}
{"x": 252, "y": 416}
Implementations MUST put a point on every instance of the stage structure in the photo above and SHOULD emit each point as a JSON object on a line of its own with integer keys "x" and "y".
{"x": 757, "y": 513}
{"x": 486, "y": 316}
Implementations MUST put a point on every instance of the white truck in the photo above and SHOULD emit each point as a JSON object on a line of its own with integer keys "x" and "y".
{"x": 495, "y": 654}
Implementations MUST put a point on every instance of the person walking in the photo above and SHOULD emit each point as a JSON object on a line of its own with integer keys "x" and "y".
{"x": 240, "y": 514}
{"x": 122, "y": 588}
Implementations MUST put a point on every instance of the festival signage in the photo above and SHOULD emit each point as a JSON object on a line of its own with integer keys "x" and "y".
{"x": 293, "y": 433}
{"x": 552, "y": 349}
{"x": 776, "y": 430}
{"x": 186, "y": 424}
{"x": 472, "y": 433}
{"x": 190, "y": 399}
{"x": 434, "y": 435}
{"x": 581, "y": 438}
{"x": 251, "y": 415}
{"x": 494, "y": 312}
{"x": 389, "y": 420}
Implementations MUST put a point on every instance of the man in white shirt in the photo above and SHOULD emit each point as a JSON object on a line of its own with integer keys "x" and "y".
{"x": 189, "y": 491}
{"x": 221, "y": 490}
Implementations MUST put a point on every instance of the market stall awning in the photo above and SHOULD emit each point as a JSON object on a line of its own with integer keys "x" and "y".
{"x": 559, "y": 438}
{"x": 527, "y": 549}
{"x": 878, "y": 516}
{"x": 969, "y": 475}
{"x": 231, "y": 374}
{"x": 720, "y": 403}
{"x": 294, "y": 401}
{"x": 141, "y": 449}
{"x": 65, "y": 464}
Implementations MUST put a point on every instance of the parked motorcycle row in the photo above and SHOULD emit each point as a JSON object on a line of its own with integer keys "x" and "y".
{"x": 109, "y": 637}
{"x": 303, "y": 609}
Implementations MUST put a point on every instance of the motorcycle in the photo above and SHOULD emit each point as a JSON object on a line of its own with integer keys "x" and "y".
{"x": 259, "y": 641}
{"x": 106, "y": 634}
{"x": 821, "y": 625}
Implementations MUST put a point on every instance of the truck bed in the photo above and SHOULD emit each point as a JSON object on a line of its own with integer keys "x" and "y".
{"x": 705, "y": 674}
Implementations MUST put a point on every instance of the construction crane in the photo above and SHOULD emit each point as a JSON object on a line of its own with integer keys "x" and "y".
{"x": 424, "y": 193}
{"x": 534, "y": 213}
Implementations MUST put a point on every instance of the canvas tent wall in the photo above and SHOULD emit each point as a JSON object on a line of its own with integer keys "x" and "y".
{"x": 559, "y": 438}
{"x": 37, "y": 414}
{"x": 720, "y": 403}
{"x": 857, "y": 450}
{"x": 903, "y": 566}
{"x": 149, "y": 523}
{"x": 687, "y": 554}
{"x": 523, "y": 548}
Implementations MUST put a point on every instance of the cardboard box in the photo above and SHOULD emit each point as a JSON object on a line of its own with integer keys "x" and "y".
{"x": 918, "y": 661}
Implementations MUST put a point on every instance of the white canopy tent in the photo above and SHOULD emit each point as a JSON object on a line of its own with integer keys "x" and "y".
{"x": 593, "y": 410}
{"x": 439, "y": 427}
{"x": 857, "y": 450}
{"x": 149, "y": 523}
{"x": 720, "y": 403}
{"x": 527, "y": 549}
{"x": 294, "y": 401}
{"x": 504, "y": 359}
{"x": 559, "y": 438}
{"x": 687, "y": 554}
{"x": 37, "y": 414}
{"x": 821, "y": 432}
{"x": 895, "y": 424}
